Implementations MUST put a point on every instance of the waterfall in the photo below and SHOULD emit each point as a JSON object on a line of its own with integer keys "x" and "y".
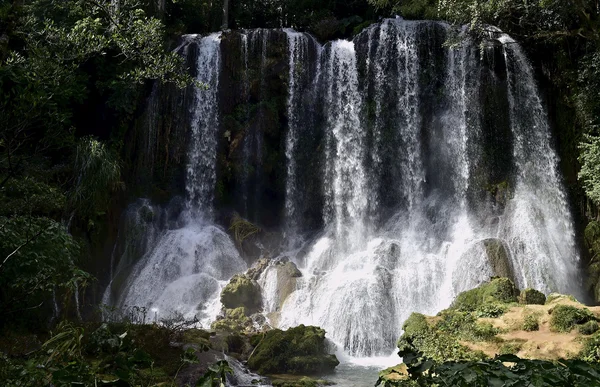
{"x": 538, "y": 222}
{"x": 345, "y": 176}
{"x": 402, "y": 230}
{"x": 413, "y": 171}
{"x": 201, "y": 176}
{"x": 183, "y": 269}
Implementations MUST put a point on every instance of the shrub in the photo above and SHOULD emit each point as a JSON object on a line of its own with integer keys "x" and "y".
{"x": 491, "y": 310}
{"x": 510, "y": 348}
{"x": 440, "y": 342}
{"x": 589, "y": 328}
{"x": 565, "y": 317}
{"x": 591, "y": 349}
{"x": 531, "y": 323}
{"x": 299, "y": 350}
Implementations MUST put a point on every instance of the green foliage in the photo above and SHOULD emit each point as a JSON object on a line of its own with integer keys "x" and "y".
{"x": 441, "y": 341}
{"x": 497, "y": 291}
{"x": 565, "y": 317}
{"x": 591, "y": 349}
{"x": 590, "y": 166}
{"x": 216, "y": 376}
{"x": 299, "y": 350}
{"x": 511, "y": 348}
{"x": 492, "y": 310}
{"x": 531, "y": 322}
{"x": 37, "y": 257}
{"x": 113, "y": 355}
{"x": 98, "y": 174}
{"x": 504, "y": 370}
{"x": 32, "y": 197}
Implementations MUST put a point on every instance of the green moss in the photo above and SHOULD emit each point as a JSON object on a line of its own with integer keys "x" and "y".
{"x": 241, "y": 291}
{"x": 565, "y": 317}
{"x": 235, "y": 321}
{"x": 498, "y": 290}
{"x": 531, "y": 296}
{"x": 299, "y": 350}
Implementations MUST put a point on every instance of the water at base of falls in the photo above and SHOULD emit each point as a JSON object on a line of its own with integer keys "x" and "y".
{"x": 435, "y": 172}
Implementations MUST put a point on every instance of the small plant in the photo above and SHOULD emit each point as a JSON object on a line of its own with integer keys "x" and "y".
{"x": 491, "y": 310}
{"x": 565, "y": 317}
{"x": 510, "y": 348}
{"x": 216, "y": 376}
{"x": 531, "y": 323}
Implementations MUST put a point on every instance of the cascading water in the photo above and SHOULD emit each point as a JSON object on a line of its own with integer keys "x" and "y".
{"x": 429, "y": 168}
{"x": 420, "y": 127}
{"x": 184, "y": 268}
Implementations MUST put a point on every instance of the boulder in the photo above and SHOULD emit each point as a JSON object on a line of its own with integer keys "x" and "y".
{"x": 300, "y": 350}
{"x": 531, "y": 296}
{"x": 498, "y": 258}
{"x": 498, "y": 290}
{"x": 242, "y": 291}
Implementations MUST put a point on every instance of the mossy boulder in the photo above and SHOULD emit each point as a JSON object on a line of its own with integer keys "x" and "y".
{"x": 233, "y": 321}
{"x": 242, "y": 291}
{"x": 498, "y": 290}
{"x": 565, "y": 317}
{"x": 300, "y": 350}
{"x": 531, "y": 296}
{"x": 498, "y": 257}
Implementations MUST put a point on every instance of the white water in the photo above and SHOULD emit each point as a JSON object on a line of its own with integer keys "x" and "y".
{"x": 402, "y": 144}
{"x": 360, "y": 283}
{"x": 187, "y": 265}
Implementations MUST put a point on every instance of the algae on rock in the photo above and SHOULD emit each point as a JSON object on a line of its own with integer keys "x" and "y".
{"x": 300, "y": 350}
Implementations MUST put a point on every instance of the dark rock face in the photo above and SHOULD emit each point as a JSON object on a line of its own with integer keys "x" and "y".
{"x": 299, "y": 350}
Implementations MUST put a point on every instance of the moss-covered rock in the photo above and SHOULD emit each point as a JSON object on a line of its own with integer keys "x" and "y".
{"x": 299, "y": 350}
{"x": 531, "y": 296}
{"x": 565, "y": 317}
{"x": 242, "y": 291}
{"x": 233, "y": 321}
{"x": 498, "y": 290}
